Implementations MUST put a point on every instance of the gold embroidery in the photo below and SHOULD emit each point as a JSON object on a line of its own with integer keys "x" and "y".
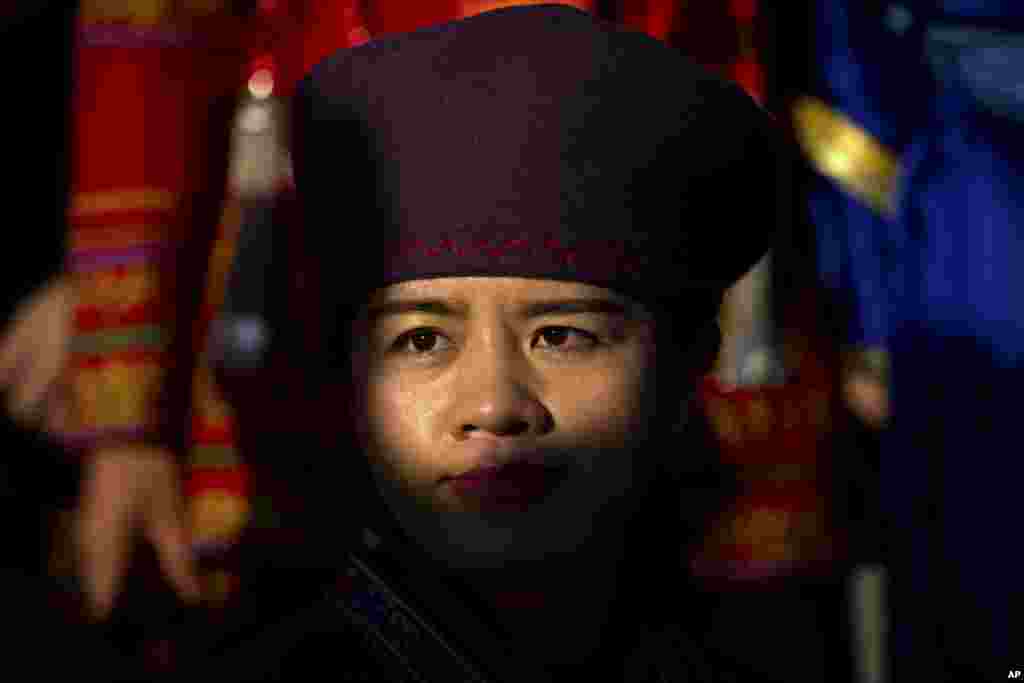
{"x": 116, "y": 395}
{"x": 217, "y": 515}
{"x": 145, "y": 199}
{"x": 845, "y": 152}
{"x": 113, "y": 292}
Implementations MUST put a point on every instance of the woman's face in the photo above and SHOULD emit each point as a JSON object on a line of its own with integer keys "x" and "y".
{"x": 458, "y": 378}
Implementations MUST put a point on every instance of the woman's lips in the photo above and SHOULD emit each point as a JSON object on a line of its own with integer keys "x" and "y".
{"x": 515, "y": 485}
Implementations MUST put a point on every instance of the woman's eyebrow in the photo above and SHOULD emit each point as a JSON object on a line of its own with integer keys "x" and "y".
{"x": 570, "y": 306}
{"x": 532, "y": 310}
{"x": 397, "y": 307}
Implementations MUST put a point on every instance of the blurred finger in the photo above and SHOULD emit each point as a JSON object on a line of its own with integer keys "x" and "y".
{"x": 869, "y": 399}
{"x": 102, "y": 558}
{"x": 176, "y": 559}
{"x": 105, "y": 527}
{"x": 167, "y": 531}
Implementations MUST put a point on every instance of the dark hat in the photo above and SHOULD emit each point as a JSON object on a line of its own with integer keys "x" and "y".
{"x": 533, "y": 141}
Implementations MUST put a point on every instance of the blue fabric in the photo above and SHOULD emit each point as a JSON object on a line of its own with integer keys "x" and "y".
{"x": 856, "y": 245}
{"x": 941, "y": 284}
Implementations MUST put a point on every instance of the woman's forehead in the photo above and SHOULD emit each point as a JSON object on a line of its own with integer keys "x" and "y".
{"x": 472, "y": 291}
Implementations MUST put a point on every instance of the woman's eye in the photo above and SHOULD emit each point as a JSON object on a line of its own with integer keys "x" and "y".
{"x": 423, "y": 341}
{"x": 420, "y": 340}
{"x": 566, "y": 339}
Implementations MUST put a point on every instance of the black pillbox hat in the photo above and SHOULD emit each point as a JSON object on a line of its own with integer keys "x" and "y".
{"x": 533, "y": 141}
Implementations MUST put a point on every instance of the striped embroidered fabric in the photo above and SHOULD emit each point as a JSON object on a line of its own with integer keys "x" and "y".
{"x": 219, "y": 507}
{"x": 140, "y": 224}
{"x": 123, "y": 318}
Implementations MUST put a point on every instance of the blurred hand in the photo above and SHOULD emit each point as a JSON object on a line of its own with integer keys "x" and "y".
{"x": 868, "y": 398}
{"x": 34, "y": 352}
{"x": 127, "y": 491}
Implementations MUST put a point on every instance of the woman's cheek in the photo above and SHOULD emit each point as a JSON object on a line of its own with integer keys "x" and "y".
{"x": 400, "y": 446}
{"x": 608, "y": 411}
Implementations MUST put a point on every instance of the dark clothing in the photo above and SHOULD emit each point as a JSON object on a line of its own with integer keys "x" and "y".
{"x": 656, "y": 631}
{"x": 339, "y": 635}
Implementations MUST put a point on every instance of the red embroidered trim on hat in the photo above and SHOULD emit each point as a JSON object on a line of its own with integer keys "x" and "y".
{"x": 613, "y": 254}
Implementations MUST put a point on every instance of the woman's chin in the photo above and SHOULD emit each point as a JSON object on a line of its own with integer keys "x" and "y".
{"x": 463, "y": 537}
{"x": 473, "y": 542}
